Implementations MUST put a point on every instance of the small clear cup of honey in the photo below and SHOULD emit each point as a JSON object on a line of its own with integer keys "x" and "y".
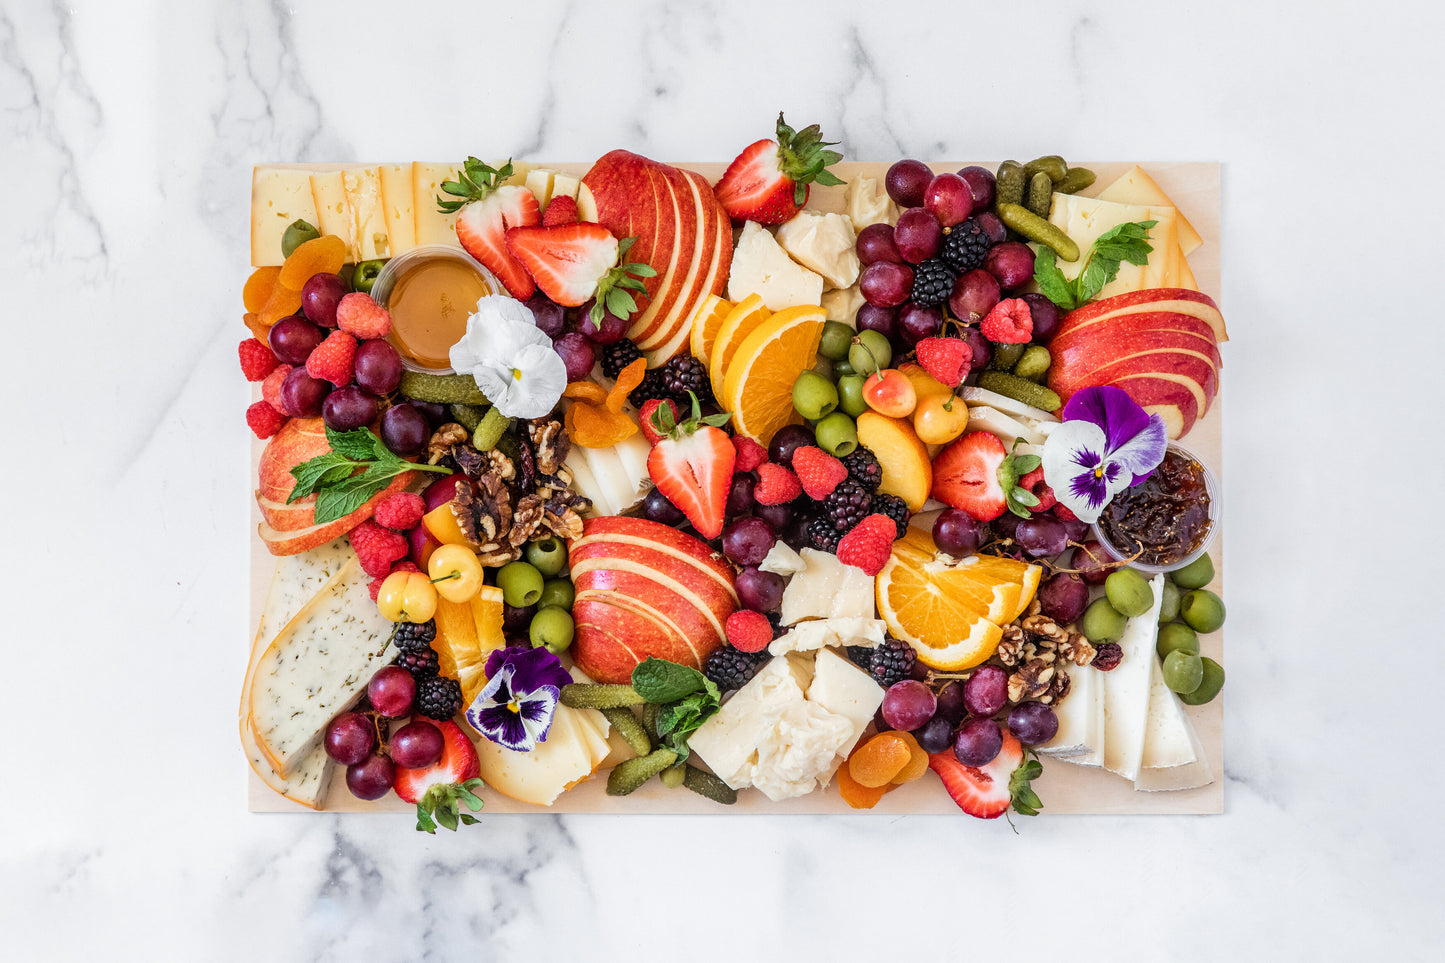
{"x": 430, "y": 291}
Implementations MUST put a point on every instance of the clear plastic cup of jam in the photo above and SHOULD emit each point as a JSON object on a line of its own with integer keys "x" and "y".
{"x": 1166, "y": 522}
{"x": 430, "y": 291}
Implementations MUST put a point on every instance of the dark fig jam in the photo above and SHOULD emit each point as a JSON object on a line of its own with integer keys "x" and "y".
{"x": 1164, "y": 519}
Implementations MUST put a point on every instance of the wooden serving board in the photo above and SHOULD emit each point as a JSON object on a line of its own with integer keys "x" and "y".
{"x": 1064, "y": 787}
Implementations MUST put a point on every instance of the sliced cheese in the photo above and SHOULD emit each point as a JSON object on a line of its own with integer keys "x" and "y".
{"x": 1080, "y": 733}
{"x": 317, "y": 667}
{"x": 432, "y": 225}
{"x": 827, "y": 589}
{"x": 632, "y": 452}
{"x": 1191, "y": 775}
{"x": 398, "y": 207}
{"x": 1085, "y": 219}
{"x": 842, "y": 304}
{"x": 782, "y": 560}
{"x": 820, "y": 633}
{"x": 618, "y": 484}
{"x": 565, "y": 185}
{"x": 824, "y": 244}
{"x": 328, "y": 190}
{"x": 763, "y": 268}
{"x": 586, "y": 483}
{"x": 1167, "y": 731}
{"x": 984, "y": 418}
{"x": 1136, "y": 187}
{"x": 1126, "y": 691}
{"x": 367, "y": 212}
{"x": 279, "y": 196}
{"x": 539, "y": 182}
{"x": 571, "y": 753}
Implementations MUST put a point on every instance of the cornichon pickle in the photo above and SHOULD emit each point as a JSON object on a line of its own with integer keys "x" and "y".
{"x": 489, "y": 430}
{"x": 1041, "y": 194}
{"x": 627, "y": 776}
{"x": 629, "y": 728}
{"x": 1074, "y": 181}
{"x": 1005, "y": 356}
{"x": 649, "y": 719}
{"x": 1034, "y": 363}
{"x": 1035, "y": 228}
{"x": 583, "y": 695}
{"x": 1019, "y": 390}
{"x": 706, "y": 784}
{"x": 468, "y": 416}
{"x": 1009, "y": 183}
{"x": 1050, "y": 164}
{"x": 452, "y": 389}
{"x": 673, "y": 775}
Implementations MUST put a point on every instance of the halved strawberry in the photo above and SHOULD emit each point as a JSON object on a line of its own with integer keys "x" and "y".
{"x": 437, "y": 789}
{"x": 484, "y": 213}
{"x": 965, "y": 475}
{"x": 573, "y": 263}
{"x": 984, "y": 792}
{"x": 692, "y": 464}
{"x": 768, "y": 182}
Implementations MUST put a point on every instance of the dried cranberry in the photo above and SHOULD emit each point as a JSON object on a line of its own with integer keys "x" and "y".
{"x": 1108, "y": 656}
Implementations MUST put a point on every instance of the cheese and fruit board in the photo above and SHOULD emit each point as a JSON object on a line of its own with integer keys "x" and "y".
{"x": 789, "y": 484}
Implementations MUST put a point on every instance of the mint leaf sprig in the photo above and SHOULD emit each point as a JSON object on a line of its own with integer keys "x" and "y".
{"x": 686, "y": 697}
{"x": 1127, "y": 242}
{"x": 357, "y": 467}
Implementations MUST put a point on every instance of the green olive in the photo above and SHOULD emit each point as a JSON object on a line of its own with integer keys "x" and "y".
{"x": 1196, "y": 574}
{"x": 521, "y": 584}
{"x": 870, "y": 352}
{"x": 1183, "y": 671}
{"x": 365, "y": 274}
{"x": 850, "y": 395}
{"x": 836, "y": 339}
{"x": 559, "y": 592}
{"x": 1169, "y": 609}
{"x": 1203, "y": 610}
{"x": 1209, "y": 686}
{"x": 836, "y": 434}
{"x": 298, "y": 232}
{"x": 1176, "y": 637}
{"x": 814, "y": 396}
{"x": 547, "y": 555}
{"x": 841, "y": 369}
{"x": 1129, "y": 593}
{"x": 551, "y": 627}
{"x": 1101, "y": 622}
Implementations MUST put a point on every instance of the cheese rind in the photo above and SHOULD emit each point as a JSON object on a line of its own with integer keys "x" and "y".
{"x": 1126, "y": 691}
{"x": 278, "y": 196}
{"x": 760, "y": 266}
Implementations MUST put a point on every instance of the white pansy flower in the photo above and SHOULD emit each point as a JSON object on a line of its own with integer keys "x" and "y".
{"x": 512, "y": 361}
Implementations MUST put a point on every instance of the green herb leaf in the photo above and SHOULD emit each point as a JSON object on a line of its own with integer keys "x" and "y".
{"x": 1124, "y": 242}
{"x": 333, "y": 478}
{"x": 323, "y": 469}
{"x": 1025, "y": 801}
{"x": 661, "y": 681}
{"x": 1051, "y": 281}
{"x": 359, "y": 444}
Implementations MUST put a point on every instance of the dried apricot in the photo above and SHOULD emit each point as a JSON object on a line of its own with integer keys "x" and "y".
{"x": 627, "y": 379}
{"x": 320, "y": 255}
{"x": 859, "y": 796}
{"x": 258, "y": 330}
{"x": 593, "y": 427}
{"x": 879, "y": 759}
{"x": 917, "y": 763}
{"x": 589, "y": 391}
{"x": 282, "y": 303}
{"x": 258, "y": 287}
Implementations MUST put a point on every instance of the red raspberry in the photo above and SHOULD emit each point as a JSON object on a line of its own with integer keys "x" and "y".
{"x": 819, "y": 471}
{"x": 359, "y": 315}
{"x": 750, "y": 453}
{"x": 375, "y": 587}
{"x": 1062, "y": 513}
{"x": 1034, "y": 482}
{"x": 776, "y": 485}
{"x": 400, "y": 512}
{"x": 264, "y": 420}
{"x": 645, "y": 417}
{"x": 1010, "y": 322}
{"x": 867, "y": 546}
{"x": 257, "y": 360}
{"x": 271, "y": 387}
{"x": 560, "y": 210}
{"x": 376, "y": 548}
{"x": 947, "y": 359}
{"x": 334, "y": 359}
{"x": 748, "y": 631}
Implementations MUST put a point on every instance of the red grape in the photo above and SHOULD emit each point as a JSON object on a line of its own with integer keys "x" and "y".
{"x": 1075, "y": 529}
{"x": 436, "y": 414}
{"x": 986, "y": 691}
{"x": 992, "y": 227}
{"x": 918, "y": 235}
{"x": 957, "y": 533}
{"x": 950, "y": 702}
{"x": 978, "y": 742}
{"x": 320, "y": 297}
{"x": 443, "y": 490}
{"x": 612, "y": 328}
{"x": 1045, "y": 315}
{"x": 404, "y": 430}
{"x": 658, "y": 508}
{"x": 391, "y": 691}
{"x": 378, "y": 367}
{"x": 350, "y": 738}
{"x": 787, "y": 440}
{"x": 577, "y": 354}
{"x": 760, "y": 591}
{"x": 982, "y": 349}
{"x": 974, "y": 295}
{"x": 1063, "y": 597}
{"x": 302, "y": 395}
{"x": 370, "y": 778}
{"x": 949, "y": 198}
{"x": 980, "y": 182}
{"x": 778, "y": 516}
{"x": 516, "y": 618}
{"x": 1012, "y": 263}
{"x": 740, "y": 494}
{"x": 908, "y": 704}
{"x": 916, "y": 322}
{"x": 906, "y": 181}
{"x": 1033, "y": 723}
{"x": 348, "y": 407}
{"x": 873, "y": 317}
{"x": 886, "y": 284}
{"x": 293, "y": 339}
{"x": 936, "y": 735}
{"x": 875, "y": 243}
{"x": 549, "y": 317}
{"x": 1092, "y": 563}
{"x": 1042, "y": 535}
{"x": 417, "y": 745}
{"x": 795, "y": 535}
{"x": 748, "y": 540}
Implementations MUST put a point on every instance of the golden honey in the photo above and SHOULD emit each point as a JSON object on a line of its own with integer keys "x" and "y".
{"x": 429, "y": 302}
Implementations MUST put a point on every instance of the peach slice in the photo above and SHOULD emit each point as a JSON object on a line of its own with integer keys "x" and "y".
{"x": 907, "y": 471}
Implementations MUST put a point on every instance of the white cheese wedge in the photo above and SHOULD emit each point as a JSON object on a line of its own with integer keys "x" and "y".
{"x": 432, "y": 226}
{"x": 1191, "y": 775}
{"x": 728, "y": 741}
{"x": 586, "y": 484}
{"x": 1126, "y": 691}
{"x": 827, "y": 589}
{"x": 1167, "y": 731}
{"x": 317, "y": 667}
{"x": 328, "y": 190}
{"x": 782, "y": 560}
{"x": 842, "y": 304}
{"x": 867, "y": 202}
{"x": 1136, "y": 187}
{"x": 367, "y": 212}
{"x": 620, "y": 487}
{"x": 1085, "y": 219}
{"x": 1080, "y": 733}
{"x": 278, "y": 196}
{"x": 539, "y": 182}
{"x": 632, "y": 452}
{"x": 820, "y": 633}
{"x": 572, "y": 752}
{"x": 763, "y": 268}
{"x": 824, "y": 244}
{"x": 846, "y": 690}
{"x": 1027, "y": 414}
{"x": 1008, "y": 429}
{"x": 398, "y": 207}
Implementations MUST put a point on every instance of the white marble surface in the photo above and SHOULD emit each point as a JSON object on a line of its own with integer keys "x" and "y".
{"x": 126, "y": 137}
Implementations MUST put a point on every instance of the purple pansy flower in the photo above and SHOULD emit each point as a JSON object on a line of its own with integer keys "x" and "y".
{"x": 1106, "y": 444}
{"x": 516, "y": 706}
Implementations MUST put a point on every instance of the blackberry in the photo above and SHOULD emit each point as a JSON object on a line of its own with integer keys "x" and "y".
{"x": 823, "y": 534}
{"x": 966, "y": 246}
{"x": 438, "y": 697}
{"x": 618, "y": 355}
{"x": 731, "y": 668}
{"x": 683, "y": 374}
{"x": 848, "y": 505}
{"x": 895, "y": 508}
{"x": 892, "y": 662}
{"x": 863, "y": 468}
{"x": 421, "y": 663}
{"x": 651, "y": 387}
{"x": 414, "y": 636}
{"x": 932, "y": 281}
{"x": 862, "y": 656}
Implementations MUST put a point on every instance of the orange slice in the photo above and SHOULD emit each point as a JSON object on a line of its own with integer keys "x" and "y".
{"x": 758, "y": 389}
{"x": 740, "y": 322}
{"x": 706, "y": 323}
{"x": 946, "y": 632}
{"x": 468, "y": 632}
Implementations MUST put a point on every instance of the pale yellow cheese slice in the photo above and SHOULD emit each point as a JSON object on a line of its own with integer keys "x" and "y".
{"x": 368, "y": 217}
{"x": 333, "y": 216}
{"x": 1085, "y": 219}
{"x": 398, "y": 207}
{"x": 278, "y": 196}
{"x": 432, "y": 226}
{"x": 1136, "y": 187}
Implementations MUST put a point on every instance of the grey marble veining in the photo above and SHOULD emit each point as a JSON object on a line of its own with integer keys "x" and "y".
{"x": 127, "y": 132}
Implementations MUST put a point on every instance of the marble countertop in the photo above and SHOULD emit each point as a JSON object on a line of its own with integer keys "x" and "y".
{"x": 129, "y": 130}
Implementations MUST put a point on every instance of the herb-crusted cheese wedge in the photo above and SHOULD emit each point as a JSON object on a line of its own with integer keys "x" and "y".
{"x": 316, "y": 667}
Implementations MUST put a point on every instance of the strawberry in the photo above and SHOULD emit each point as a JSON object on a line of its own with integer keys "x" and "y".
{"x": 438, "y": 788}
{"x": 485, "y": 209}
{"x": 692, "y": 464}
{"x": 768, "y": 182}
{"x": 574, "y": 263}
{"x": 650, "y": 426}
{"x": 560, "y": 210}
{"x": 965, "y": 475}
{"x": 946, "y": 359}
{"x": 988, "y": 791}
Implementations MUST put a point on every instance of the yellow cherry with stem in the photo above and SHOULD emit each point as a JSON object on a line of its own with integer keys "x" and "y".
{"x": 889, "y": 392}
{"x": 456, "y": 572}
{"x": 407, "y": 597}
{"x": 940, "y": 418}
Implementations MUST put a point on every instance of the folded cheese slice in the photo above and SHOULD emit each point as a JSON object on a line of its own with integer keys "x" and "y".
{"x": 1126, "y": 691}
{"x": 279, "y": 196}
{"x": 1136, "y": 187}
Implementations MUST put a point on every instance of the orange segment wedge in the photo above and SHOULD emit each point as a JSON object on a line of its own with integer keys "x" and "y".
{"x": 758, "y": 389}
{"x": 468, "y": 632}
{"x": 706, "y": 323}
{"x": 740, "y": 322}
